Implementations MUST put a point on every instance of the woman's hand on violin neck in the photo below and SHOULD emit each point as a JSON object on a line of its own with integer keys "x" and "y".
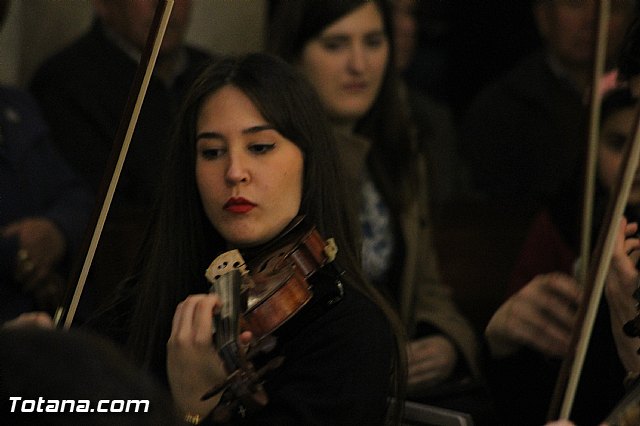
{"x": 193, "y": 365}
{"x": 30, "y": 319}
{"x": 541, "y": 315}
{"x": 431, "y": 360}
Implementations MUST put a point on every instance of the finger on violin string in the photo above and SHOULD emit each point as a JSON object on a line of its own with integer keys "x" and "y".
{"x": 248, "y": 347}
{"x": 186, "y": 315}
{"x": 202, "y": 324}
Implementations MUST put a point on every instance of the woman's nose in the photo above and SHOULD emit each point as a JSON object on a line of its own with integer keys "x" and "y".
{"x": 237, "y": 170}
{"x": 357, "y": 58}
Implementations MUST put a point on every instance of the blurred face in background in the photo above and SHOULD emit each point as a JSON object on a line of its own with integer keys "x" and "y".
{"x": 613, "y": 135}
{"x": 132, "y": 19}
{"x": 569, "y": 28}
{"x": 346, "y": 63}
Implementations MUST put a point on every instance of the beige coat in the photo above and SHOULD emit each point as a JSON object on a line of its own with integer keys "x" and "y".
{"x": 423, "y": 297}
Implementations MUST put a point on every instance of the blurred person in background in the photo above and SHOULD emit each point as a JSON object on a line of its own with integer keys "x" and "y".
{"x": 44, "y": 208}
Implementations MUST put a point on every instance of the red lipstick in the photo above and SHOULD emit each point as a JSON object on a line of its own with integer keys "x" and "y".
{"x": 238, "y": 205}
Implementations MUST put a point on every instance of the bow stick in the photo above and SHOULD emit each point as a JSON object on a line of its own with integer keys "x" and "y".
{"x": 572, "y": 365}
{"x": 604, "y": 11}
{"x": 564, "y": 384}
{"x": 64, "y": 314}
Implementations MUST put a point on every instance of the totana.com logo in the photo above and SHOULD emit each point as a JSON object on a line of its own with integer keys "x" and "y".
{"x": 41, "y": 405}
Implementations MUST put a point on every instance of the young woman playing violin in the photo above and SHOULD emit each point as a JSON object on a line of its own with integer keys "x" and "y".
{"x": 250, "y": 153}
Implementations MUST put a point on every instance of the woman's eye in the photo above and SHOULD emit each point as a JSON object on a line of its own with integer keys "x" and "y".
{"x": 261, "y": 148}
{"x": 375, "y": 40}
{"x": 332, "y": 45}
{"x": 211, "y": 153}
{"x": 615, "y": 141}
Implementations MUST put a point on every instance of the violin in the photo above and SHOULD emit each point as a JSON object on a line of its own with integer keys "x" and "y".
{"x": 274, "y": 289}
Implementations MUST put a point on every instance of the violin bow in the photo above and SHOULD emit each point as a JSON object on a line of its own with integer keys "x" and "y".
{"x": 569, "y": 376}
{"x": 65, "y": 313}
{"x": 604, "y": 11}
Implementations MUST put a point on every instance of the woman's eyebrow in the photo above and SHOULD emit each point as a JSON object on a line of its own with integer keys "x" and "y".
{"x": 247, "y": 131}
{"x": 209, "y": 135}
{"x": 256, "y": 129}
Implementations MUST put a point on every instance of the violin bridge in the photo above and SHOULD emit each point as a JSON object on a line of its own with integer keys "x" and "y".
{"x": 224, "y": 263}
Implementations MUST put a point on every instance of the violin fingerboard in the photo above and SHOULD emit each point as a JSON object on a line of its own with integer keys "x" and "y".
{"x": 227, "y": 320}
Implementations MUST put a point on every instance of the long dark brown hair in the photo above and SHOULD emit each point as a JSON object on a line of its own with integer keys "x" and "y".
{"x": 182, "y": 242}
{"x": 293, "y": 24}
